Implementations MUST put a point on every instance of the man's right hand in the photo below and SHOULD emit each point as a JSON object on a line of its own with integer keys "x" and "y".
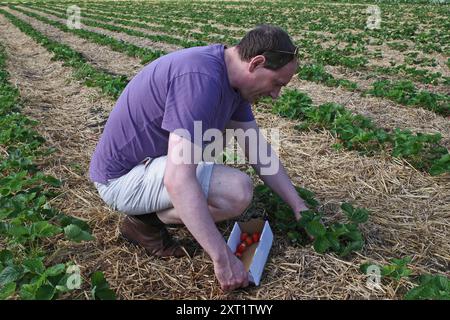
{"x": 230, "y": 272}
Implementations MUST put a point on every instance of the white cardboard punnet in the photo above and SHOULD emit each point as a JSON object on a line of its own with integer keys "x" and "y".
{"x": 254, "y": 264}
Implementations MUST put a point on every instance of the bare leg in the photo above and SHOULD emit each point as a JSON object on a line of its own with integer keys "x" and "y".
{"x": 230, "y": 193}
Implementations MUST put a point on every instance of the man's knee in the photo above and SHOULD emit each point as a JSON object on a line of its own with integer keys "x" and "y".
{"x": 243, "y": 194}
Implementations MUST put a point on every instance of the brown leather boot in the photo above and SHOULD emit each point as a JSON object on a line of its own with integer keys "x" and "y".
{"x": 149, "y": 232}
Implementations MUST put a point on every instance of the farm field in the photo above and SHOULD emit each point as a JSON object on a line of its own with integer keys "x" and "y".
{"x": 365, "y": 136}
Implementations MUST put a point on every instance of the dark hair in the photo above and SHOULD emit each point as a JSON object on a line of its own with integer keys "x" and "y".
{"x": 267, "y": 40}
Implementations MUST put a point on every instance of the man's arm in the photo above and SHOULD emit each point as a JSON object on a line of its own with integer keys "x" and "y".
{"x": 191, "y": 205}
{"x": 279, "y": 182}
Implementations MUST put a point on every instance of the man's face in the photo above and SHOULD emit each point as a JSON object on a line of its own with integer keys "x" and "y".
{"x": 264, "y": 82}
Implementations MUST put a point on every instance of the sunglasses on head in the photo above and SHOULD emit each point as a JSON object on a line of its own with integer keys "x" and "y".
{"x": 295, "y": 53}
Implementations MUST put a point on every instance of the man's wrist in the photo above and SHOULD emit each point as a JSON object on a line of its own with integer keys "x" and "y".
{"x": 299, "y": 207}
{"x": 220, "y": 256}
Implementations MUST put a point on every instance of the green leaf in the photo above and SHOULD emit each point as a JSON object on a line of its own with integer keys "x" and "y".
{"x": 98, "y": 278}
{"x": 62, "y": 288}
{"x": 347, "y": 208}
{"x": 10, "y": 274}
{"x": 17, "y": 231}
{"x": 444, "y": 283}
{"x": 43, "y": 229}
{"x": 293, "y": 236}
{"x": 100, "y": 287}
{"x": 74, "y": 233}
{"x": 306, "y": 217}
{"x": 321, "y": 244}
{"x": 430, "y": 287}
{"x": 65, "y": 220}
{"x": 350, "y": 247}
{"x": 5, "y": 191}
{"x": 104, "y": 294}
{"x": 363, "y": 267}
{"x": 6, "y": 257}
{"x": 356, "y": 215}
{"x": 35, "y": 265}
{"x": 55, "y": 270}
{"x": 7, "y": 290}
{"x": 52, "y": 181}
{"x": 45, "y": 292}
{"x": 28, "y": 292}
{"x": 335, "y": 245}
{"x": 308, "y": 196}
{"x": 315, "y": 229}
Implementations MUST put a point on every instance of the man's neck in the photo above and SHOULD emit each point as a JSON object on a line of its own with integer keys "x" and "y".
{"x": 235, "y": 67}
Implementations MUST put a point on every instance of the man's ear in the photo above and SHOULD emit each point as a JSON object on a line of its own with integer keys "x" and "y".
{"x": 256, "y": 62}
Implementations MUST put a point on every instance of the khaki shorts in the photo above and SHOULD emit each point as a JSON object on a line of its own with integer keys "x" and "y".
{"x": 142, "y": 190}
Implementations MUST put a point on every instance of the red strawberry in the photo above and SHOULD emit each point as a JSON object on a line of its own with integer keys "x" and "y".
{"x": 241, "y": 248}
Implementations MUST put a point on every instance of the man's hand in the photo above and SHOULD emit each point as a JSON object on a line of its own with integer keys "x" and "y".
{"x": 230, "y": 272}
{"x": 301, "y": 206}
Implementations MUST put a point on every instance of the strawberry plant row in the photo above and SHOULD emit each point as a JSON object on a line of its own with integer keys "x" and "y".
{"x": 356, "y": 132}
{"x": 141, "y": 20}
{"x": 404, "y": 92}
{"x": 131, "y": 32}
{"x": 317, "y": 73}
{"x": 131, "y": 50}
{"x": 27, "y": 221}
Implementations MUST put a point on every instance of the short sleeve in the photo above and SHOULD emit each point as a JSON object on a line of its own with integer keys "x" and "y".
{"x": 243, "y": 113}
{"x": 191, "y": 104}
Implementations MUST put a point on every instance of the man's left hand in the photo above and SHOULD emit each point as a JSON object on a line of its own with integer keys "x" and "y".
{"x": 301, "y": 207}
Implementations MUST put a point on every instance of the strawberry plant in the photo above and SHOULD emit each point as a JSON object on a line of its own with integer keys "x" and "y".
{"x": 31, "y": 277}
{"x": 422, "y": 150}
{"x": 396, "y": 270}
{"x": 397, "y": 45}
{"x": 341, "y": 238}
{"x": 430, "y": 287}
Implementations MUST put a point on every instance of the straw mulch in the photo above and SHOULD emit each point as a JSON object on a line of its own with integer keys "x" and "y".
{"x": 409, "y": 210}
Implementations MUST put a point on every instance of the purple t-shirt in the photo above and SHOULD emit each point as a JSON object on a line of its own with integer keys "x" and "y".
{"x": 168, "y": 94}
